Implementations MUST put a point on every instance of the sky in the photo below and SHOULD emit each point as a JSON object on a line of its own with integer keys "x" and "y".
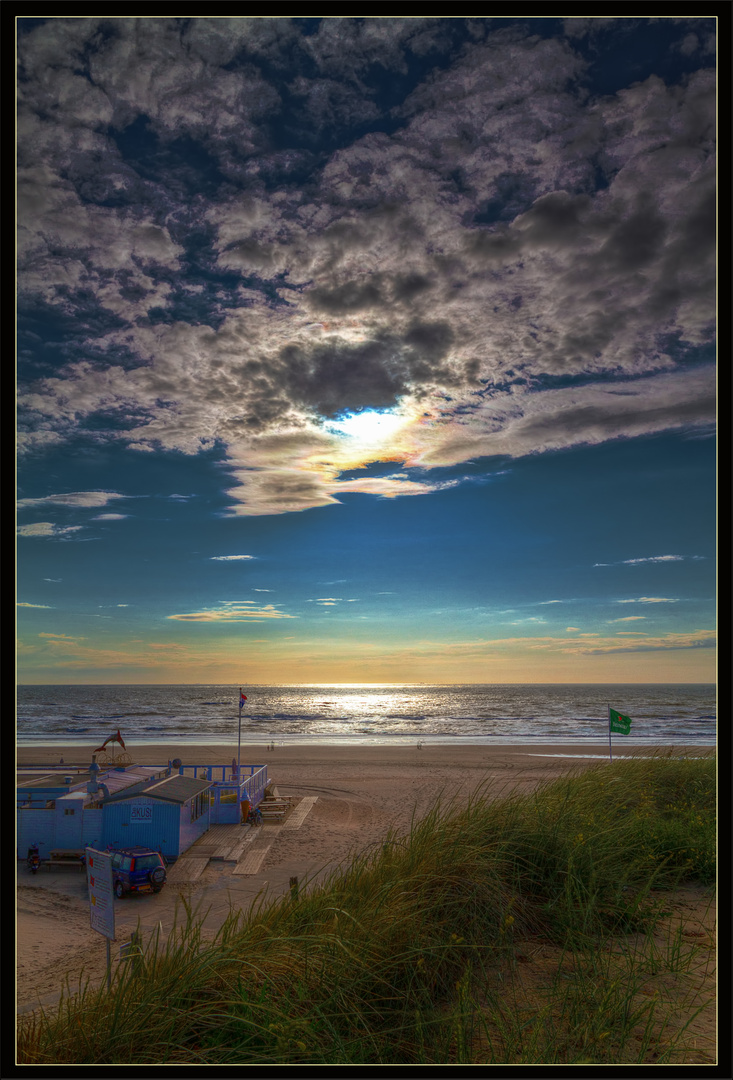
{"x": 366, "y": 350}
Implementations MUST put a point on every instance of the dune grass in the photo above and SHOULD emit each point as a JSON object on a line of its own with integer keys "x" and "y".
{"x": 417, "y": 950}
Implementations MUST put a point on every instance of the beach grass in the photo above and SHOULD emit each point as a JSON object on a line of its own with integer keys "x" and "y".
{"x": 530, "y": 928}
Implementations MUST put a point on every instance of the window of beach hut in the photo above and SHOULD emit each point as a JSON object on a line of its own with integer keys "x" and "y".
{"x": 199, "y": 804}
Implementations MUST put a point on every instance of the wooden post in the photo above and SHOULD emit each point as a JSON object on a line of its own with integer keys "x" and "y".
{"x": 135, "y": 942}
{"x": 294, "y": 888}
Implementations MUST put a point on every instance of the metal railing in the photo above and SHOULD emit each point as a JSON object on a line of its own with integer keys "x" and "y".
{"x": 252, "y": 778}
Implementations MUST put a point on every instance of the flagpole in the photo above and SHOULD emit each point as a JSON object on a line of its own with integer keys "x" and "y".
{"x": 610, "y": 750}
{"x": 239, "y": 733}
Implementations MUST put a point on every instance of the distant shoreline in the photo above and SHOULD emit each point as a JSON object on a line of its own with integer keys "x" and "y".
{"x": 408, "y": 752}
{"x": 354, "y": 741}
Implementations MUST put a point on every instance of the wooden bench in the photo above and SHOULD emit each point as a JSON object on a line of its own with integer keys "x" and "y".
{"x": 72, "y": 859}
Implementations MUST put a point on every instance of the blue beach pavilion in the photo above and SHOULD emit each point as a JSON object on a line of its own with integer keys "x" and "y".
{"x": 167, "y": 808}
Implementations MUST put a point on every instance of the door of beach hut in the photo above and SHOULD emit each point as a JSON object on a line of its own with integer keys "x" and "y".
{"x": 69, "y": 811}
{"x": 225, "y": 809}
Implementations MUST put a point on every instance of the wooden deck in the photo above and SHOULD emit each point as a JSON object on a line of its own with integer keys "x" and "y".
{"x": 218, "y": 842}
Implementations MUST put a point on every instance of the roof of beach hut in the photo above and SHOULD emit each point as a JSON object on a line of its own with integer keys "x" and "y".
{"x": 176, "y": 789}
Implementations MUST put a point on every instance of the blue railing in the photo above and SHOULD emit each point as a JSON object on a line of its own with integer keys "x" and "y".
{"x": 252, "y": 778}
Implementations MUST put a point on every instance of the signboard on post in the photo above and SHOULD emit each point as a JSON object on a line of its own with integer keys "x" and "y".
{"x": 101, "y": 894}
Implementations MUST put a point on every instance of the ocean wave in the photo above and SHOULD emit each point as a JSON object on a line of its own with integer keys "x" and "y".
{"x": 518, "y": 713}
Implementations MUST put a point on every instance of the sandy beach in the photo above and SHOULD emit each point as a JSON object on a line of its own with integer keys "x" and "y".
{"x": 362, "y": 793}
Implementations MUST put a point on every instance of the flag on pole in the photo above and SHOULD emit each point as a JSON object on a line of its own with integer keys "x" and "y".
{"x": 242, "y": 698}
{"x": 618, "y": 722}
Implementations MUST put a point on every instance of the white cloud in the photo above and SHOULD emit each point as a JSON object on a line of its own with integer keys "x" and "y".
{"x": 582, "y": 646}
{"x": 47, "y": 528}
{"x": 48, "y": 607}
{"x": 628, "y": 618}
{"x": 655, "y": 558}
{"x": 233, "y": 558}
{"x": 650, "y": 600}
{"x": 233, "y": 611}
{"x": 586, "y": 644}
{"x": 651, "y": 559}
{"x": 80, "y": 499}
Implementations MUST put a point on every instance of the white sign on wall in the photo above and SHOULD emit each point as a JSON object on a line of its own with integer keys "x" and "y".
{"x": 101, "y": 895}
{"x": 141, "y": 814}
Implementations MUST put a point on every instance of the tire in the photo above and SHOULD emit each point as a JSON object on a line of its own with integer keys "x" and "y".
{"x": 119, "y": 891}
{"x": 157, "y": 876}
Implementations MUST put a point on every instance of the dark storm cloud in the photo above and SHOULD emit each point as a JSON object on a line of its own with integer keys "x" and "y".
{"x": 636, "y": 241}
{"x": 409, "y": 286}
{"x": 335, "y": 377}
{"x": 555, "y": 220}
{"x": 331, "y": 378}
{"x": 347, "y": 298}
{"x": 599, "y": 422}
{"x": 253, "y": 225}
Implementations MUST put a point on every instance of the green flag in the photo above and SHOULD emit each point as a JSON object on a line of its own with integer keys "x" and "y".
{"x": 618, "y": 722}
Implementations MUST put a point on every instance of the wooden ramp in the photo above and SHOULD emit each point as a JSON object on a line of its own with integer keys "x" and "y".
{"x": 187, "y": 868}
{"x": 297, "y": 816}
{"x": 256, "y": 855}
{"x": 238, "y": 850}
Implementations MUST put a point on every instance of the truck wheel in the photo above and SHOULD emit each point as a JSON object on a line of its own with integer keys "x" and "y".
{"x": 119, "y": 891}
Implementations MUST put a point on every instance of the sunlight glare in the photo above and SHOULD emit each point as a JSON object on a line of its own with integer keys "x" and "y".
{"x": 368, "y": 426}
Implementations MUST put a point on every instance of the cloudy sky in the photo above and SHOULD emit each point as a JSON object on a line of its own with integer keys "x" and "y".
{"x": 366, "y": 349}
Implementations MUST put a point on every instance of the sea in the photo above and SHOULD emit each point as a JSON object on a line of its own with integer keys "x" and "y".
{"x": 366, "y": 713}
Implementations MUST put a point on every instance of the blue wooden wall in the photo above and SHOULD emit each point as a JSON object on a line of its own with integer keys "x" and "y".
{"x": 161, "y": 833}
